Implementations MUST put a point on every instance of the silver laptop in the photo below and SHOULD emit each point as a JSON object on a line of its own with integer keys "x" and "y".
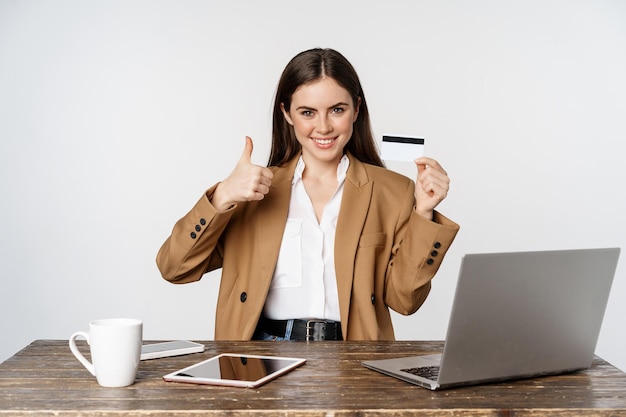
{"x": 517, "y": 315}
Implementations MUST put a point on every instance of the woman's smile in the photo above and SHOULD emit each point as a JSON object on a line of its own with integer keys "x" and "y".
{"x": 324, "y": 142}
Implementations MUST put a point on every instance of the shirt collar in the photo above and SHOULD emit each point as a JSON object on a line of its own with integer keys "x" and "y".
{"x": 342, "y": 169}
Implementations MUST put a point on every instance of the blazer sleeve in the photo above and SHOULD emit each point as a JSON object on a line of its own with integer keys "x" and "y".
{"x": 194, "y": 248}
{"x": 419, "y": 248}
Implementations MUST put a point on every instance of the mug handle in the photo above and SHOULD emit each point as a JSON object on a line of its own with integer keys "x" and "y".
{"x": 79, "y": 355}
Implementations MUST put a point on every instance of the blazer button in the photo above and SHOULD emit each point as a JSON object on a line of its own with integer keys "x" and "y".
{"x": 193, "y": 235}
{"x": 243, "y": 297}
{"x": 430, "y": 261}
{"x": 373, "y": 299}
{"x": 202, "y": 221}
{"x": 437, "y": 245}
{"x": 434, "y": 253}
{"x": 198, "y": 228}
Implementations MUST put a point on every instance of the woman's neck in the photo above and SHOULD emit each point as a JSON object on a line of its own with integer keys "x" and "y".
{"x": 320, "y": 182}
{"x": 322, "y": 170}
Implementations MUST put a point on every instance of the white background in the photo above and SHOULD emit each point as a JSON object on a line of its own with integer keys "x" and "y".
{"x": 115, "y": 116}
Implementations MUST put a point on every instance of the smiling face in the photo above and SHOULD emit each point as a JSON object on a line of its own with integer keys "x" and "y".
{"x": 322, "y": 114}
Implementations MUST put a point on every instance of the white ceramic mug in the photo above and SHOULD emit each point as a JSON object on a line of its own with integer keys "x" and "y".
{"x": 115, "y": 346}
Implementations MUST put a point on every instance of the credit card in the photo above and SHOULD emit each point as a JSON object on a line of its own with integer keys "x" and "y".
{"x": 402, "y": 148}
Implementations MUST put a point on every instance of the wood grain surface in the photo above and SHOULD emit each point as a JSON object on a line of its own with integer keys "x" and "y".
{"x": 44, "y": 379}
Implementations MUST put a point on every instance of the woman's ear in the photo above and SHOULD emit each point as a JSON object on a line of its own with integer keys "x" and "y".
{"x": 356, "y": 110}
{"x": 286, "y": 114}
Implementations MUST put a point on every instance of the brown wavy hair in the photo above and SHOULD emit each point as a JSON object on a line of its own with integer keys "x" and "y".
{"x": 306, "y": 67}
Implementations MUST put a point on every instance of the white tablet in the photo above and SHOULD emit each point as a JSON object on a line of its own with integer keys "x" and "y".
{"x": 235, "y": 370}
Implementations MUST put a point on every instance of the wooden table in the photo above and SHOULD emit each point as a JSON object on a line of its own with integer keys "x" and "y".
{"x": 45, "y": 379}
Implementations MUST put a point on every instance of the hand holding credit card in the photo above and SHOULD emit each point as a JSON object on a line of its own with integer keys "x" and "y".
{"x": 402, "y": 148}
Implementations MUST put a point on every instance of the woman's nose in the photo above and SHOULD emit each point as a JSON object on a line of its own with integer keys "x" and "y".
{"x": 324, "y": 125}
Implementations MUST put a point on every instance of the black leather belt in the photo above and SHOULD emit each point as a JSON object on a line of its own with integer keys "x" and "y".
{"x": 302, "y": 330}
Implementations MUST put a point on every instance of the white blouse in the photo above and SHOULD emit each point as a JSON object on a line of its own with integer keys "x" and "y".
{"x": 304, "y": 283}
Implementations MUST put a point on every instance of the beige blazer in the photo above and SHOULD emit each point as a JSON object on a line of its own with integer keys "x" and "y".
{"x": 385, "y": 253}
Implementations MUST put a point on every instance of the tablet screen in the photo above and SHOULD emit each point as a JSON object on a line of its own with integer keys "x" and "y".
{"x": 235, "y": 370}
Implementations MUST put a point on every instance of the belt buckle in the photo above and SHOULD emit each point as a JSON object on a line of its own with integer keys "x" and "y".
{"x": 310, "y": 326}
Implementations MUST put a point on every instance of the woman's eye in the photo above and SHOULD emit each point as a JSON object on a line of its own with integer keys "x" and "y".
{"x": 307, "y": 113}
{"x": 338, "y": 110}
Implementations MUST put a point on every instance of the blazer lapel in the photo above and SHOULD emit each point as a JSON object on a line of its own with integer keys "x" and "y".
{"x": 357, "y": 193}
{"x": 272, "y": 214}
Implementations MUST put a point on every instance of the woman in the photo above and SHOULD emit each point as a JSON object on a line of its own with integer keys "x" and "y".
{"x": 324, "y": 240}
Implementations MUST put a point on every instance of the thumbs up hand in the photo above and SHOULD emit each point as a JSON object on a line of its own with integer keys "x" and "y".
{"x": 247, "y": 182}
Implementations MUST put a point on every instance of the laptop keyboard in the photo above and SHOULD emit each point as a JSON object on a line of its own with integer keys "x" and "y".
{"x": 428, "y": 372}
